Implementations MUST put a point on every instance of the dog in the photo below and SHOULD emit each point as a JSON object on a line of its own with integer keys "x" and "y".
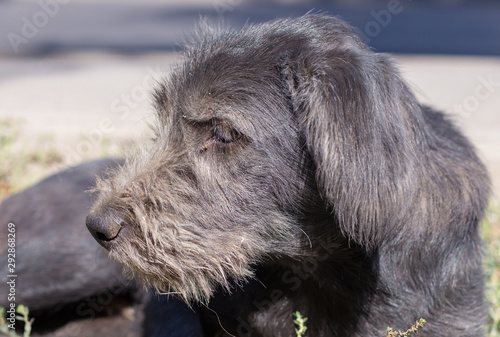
{"x": 292, "y": 169}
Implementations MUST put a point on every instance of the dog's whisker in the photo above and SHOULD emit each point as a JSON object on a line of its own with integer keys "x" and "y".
{"x": 307, "y": 236}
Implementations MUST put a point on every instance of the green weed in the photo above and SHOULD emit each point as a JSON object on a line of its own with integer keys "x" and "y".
{"x": 22, "y": 315}
{"x": 300, "y": 322}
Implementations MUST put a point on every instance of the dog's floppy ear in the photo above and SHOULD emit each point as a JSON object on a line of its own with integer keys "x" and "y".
{"x": 356, "y": 116}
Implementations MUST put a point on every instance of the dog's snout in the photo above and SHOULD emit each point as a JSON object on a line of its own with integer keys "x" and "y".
{"x": 104, "y": 229}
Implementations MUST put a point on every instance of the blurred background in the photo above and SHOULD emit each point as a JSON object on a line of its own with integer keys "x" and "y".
{"x": 75, "y": 75}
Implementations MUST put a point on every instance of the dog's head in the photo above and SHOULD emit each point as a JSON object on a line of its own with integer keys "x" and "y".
{"x": 265, "y": 139}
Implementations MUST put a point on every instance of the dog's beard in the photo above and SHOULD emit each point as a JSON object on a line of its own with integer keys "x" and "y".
{"x": 191, "y": 273}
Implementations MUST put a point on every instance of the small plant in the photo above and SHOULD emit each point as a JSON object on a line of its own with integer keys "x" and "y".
{"x": 300, "y": 321}
{"x": 414, "y": 328}
{"x": 23, "y": 317}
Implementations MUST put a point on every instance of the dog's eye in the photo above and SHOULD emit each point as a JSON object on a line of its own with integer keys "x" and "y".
{"x": 225, "y": 135}
{"x": 221, "y": 136}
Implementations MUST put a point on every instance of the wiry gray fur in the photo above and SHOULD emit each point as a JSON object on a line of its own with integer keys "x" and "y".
{"x": 292, "y": 154}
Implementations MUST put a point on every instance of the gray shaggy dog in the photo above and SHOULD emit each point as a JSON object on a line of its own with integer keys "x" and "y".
{"x": 293, "y": 170}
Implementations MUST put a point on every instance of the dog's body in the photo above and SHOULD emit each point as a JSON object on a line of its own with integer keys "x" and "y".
{"x": 69, "y": 286}
{"x": 294, "y": 171}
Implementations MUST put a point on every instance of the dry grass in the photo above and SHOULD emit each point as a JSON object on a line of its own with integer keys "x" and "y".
{"x": 19, "y": 169}
{"x": 22, "y": 166}
{"x": 491, "y": 236}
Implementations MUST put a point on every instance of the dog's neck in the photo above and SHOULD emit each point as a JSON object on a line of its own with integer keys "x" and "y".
{"x": 309, "y": 284}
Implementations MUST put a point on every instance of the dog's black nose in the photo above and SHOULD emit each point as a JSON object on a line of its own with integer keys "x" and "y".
{"x": 103, "y": 229}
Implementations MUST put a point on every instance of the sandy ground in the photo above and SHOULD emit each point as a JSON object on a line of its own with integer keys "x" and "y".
{"x": 80, "y": 103}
